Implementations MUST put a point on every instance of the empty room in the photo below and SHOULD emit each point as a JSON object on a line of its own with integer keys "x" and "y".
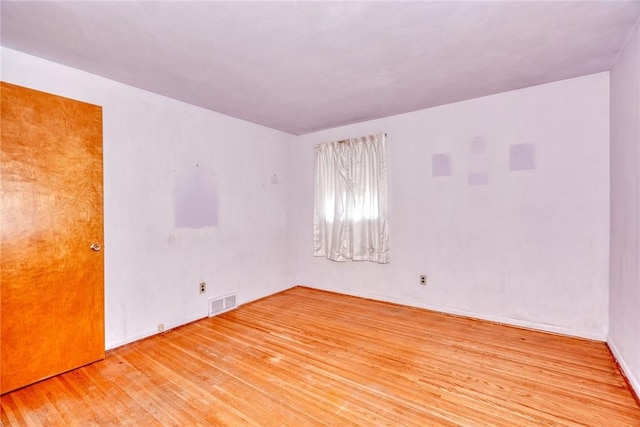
{"x": 320, "y": 213}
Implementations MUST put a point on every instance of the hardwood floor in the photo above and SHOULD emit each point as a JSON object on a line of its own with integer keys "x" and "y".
{"x": 306, "y": 357}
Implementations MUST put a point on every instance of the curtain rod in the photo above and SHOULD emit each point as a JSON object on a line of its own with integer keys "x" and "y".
{"x": 342, "y": 141}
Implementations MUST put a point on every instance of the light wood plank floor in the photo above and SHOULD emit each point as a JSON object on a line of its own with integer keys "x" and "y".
{"x": 305, "y": 358}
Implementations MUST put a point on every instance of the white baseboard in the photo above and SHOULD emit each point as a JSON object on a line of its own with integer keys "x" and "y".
{"x": 147, "y": 333}
{"x": 110, "y": 345}
{"x": 506, "y": 320}
{"x": 633, "y": 381}
{"x": 515, "y": 322}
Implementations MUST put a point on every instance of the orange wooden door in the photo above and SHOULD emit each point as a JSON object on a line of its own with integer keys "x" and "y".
{"x": 52, "y": 281}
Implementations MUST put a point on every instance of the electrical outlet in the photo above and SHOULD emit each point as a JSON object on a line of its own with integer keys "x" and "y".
{"x": 203, "y": 287}
{"x": 423, "y": 279}
{"x": 161, "y": 327}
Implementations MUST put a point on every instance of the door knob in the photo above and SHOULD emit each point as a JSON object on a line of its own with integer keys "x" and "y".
{"x": 95, "y": 247}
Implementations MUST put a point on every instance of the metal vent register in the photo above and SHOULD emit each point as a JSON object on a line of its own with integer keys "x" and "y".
{"x": 222, "y": 304}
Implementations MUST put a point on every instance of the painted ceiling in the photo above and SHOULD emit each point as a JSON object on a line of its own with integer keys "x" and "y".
{"x": 306, "y": 66}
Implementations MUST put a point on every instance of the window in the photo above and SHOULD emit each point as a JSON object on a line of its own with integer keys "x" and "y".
{"x": 351, "y": 200}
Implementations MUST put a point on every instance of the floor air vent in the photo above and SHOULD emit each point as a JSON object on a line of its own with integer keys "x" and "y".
{"x": 222, "y": 304}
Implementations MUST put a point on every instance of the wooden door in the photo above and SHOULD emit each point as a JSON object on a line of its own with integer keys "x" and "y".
{"x": 52, "y": 281}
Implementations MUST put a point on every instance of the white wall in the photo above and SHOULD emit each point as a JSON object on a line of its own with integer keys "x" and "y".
{"x": 624, "y": 329}
{"x": 529, "y": 248}
{"x": 152, "y": 268}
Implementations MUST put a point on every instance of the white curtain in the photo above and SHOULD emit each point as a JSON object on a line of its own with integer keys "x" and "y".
{"x": 351, "y": 219}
